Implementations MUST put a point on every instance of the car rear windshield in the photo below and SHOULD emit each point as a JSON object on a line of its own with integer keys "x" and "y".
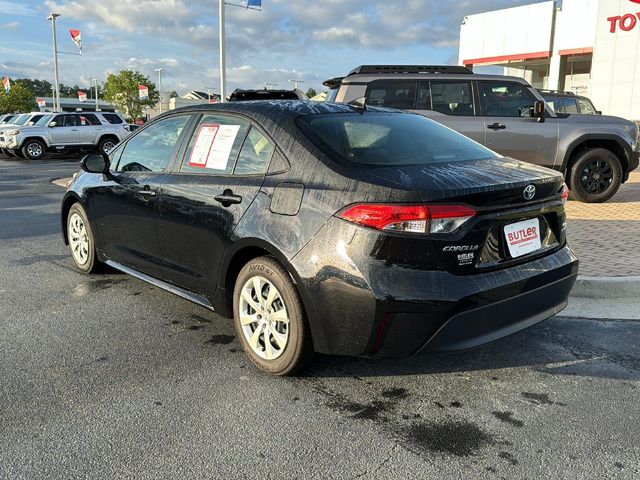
{"x": 389, "y": 139}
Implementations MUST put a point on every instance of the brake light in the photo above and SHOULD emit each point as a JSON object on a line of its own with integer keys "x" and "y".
{"x": 409, "y": 218}
{"x": 565, "y": 194}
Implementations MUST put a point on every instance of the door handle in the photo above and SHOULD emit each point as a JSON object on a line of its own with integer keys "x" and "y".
{"x": 497, "y": 126}
{"x": 228, "y": 198}
{"x": 147, "y": 192}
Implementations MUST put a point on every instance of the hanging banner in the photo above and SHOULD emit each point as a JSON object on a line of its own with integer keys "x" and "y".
{"x": 76, "y": 37}
{"x": 143, "y": 91}
{"x": 6, "y": 83}
{"x": 82, "y": 96}
{"x": 41, "y": 102}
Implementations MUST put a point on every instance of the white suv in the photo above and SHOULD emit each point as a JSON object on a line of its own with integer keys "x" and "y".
{"x": 65, "y": 133}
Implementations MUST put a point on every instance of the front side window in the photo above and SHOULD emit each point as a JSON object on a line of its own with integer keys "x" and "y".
{"x": 388, "y": 139}
{"x": 255, "y": 154}
{"x": 153, "y": 148}
{"x": 214, "y": 145}
{"x": 505, "y": 99}
{"x": 586, "y": 107}
{"x": 452, "y": 98}
{"x": 66, "y": 120}
{"x": 399, "y": 94}
{"x": 554, "y": 102}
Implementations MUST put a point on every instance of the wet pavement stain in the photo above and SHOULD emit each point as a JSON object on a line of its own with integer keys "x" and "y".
{"x": 200, "y": 318}
{"x": 33, "y": 259}
{"x": 507, "y": 417}
{"x": 458, "y": 438}
{"x": 508, "y": 457}
{"x": 439, "y": 405}
{"x": 220, "y": 339}
{"x": 455, "y": 405}
{"x": 398, "y": 393}
{"x": 195, "y": 327}
{"x": 541, "y": 399}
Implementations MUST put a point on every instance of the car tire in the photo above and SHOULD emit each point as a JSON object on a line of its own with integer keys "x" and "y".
{"x": 106, "y": 145}
{"x": 33, "y": 149}
{"x": 270, "y": 320}
{"x": 595, "y": 176}
{"x": 81, "y": 240}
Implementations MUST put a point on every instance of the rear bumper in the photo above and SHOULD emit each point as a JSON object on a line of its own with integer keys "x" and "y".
{"x": 410, "y": 333}
{"x": 361, "y": 304}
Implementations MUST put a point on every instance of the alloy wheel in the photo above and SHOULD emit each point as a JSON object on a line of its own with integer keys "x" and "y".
{"x": 78, "y": 239}
{"x": 596, "y": 176}
{"x": 263, "y": 318}
{"x": 108, "y": 146}
{"x": 34, "y": 150}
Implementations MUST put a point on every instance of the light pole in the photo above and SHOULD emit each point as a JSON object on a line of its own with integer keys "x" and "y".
{"x": 94, "y": 82}
{"x": 223, "y": 67}
{"x": 296, "y": 82}
{"x": 209, "y": 91}
{"x": 56, "y": 98}
{"x": 159, "y": 70}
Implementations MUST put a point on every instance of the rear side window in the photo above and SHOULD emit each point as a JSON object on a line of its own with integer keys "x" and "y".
{"x": 399, "y": 94}
{"x": 255, "y": 154}
{"x": 89, "y": 119}
{"x": 152, "y": 149}
{"x": 452, "y": 98}
{"x": 389, "y": 139}
{"x": 504, "y": 99}
{"x": 112, "y": 118}
{"x": 214, "y": 145}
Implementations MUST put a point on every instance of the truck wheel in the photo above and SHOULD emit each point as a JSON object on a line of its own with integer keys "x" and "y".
{"x": 106, "y": 145}
{"x": 34, "y": 149}
{"x": 595, "y": 176}
{"x": 269, "y": 318}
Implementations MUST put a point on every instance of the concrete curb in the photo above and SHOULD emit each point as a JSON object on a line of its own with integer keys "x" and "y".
{"x": 607, "y": 288}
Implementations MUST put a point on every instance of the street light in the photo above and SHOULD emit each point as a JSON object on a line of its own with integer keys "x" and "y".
{"x": 296, "y": 82}
{"x": 159, "y": 70}
{"x": 56, "y": 98}
{"x": 223, "y": 67}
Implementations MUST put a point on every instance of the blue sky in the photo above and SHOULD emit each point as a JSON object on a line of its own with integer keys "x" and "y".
{"x": 305, "y": 39}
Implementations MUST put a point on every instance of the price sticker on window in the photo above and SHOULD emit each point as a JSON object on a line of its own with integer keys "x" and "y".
{"x": 213, "y": 146}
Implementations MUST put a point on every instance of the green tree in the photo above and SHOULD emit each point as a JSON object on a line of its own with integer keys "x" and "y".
{"x": 122, "y": 91}
{"x": 20, "y": 99}
{"x": 40, "y": 88}
{"x": 173, "y": 94}
{"x": 311, "y": 93}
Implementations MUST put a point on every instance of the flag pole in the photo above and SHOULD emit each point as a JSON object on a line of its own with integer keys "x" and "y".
{"x": 223, "y": 73}
{"x": 56, "y": 97}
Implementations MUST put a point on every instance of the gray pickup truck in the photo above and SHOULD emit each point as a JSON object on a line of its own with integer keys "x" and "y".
{"x": 66, "y": 132}
{"x": 595, "y": 152}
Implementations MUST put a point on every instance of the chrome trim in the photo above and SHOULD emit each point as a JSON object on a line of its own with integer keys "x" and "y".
{"x": 181, "y": 292}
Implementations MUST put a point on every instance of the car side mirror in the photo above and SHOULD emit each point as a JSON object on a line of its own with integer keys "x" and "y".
{"x": 52, "y": 124}
{"x": 95, "y": 163}
{"x": 598, "y": 112}
{"x": 539, "y": 110}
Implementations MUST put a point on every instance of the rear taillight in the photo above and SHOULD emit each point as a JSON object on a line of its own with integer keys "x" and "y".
{"x": 409, "y": 218}
{"x": 565, "y": 194}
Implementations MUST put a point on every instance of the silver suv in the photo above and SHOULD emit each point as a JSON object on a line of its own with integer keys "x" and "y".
{"x": 21, "y": 120}
{"x": 596, "y": 153}
{"x": 66, "y": 132}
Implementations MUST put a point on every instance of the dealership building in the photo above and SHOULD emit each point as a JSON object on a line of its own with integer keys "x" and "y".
{"x": 589, "y": 47}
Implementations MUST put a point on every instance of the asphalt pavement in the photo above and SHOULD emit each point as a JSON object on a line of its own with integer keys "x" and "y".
{"x": 105, "y": 376}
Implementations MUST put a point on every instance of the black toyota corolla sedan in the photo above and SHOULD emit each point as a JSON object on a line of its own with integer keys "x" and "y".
{"x": 327, "y": 228}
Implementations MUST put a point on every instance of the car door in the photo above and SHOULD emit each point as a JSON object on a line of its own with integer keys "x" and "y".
{"x": 63, "y": 129}
{"x": 451, "y": 102}
{"x": 124, "y": 207}
{"x": 509, "y": 126}
{"x": 88, "y": 129}
{"x": 222, "y": 170}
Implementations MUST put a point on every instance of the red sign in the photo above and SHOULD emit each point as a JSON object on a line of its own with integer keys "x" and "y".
{"x": 82, "y": 96}
{"x": 41, "y": 102}
{"x": 76, "y": 36}
{"x": 626, "y": 22}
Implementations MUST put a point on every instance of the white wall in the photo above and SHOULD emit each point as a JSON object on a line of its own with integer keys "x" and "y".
{"x": 510, "y": 31}
{"x": 615, "y": 74}
{"x": 576, "y": 24}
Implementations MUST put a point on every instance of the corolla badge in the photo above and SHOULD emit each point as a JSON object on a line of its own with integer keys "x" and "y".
{"x": 529, "y": 192}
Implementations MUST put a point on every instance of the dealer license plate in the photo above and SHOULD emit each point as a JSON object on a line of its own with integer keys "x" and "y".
{"x": 523, "y": 237}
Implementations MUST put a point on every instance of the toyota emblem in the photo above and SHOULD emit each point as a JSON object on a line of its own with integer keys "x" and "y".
{"x": 529, "y": 192}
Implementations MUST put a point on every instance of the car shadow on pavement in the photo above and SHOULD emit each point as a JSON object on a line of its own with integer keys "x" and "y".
{"x": 596, "y": 350}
